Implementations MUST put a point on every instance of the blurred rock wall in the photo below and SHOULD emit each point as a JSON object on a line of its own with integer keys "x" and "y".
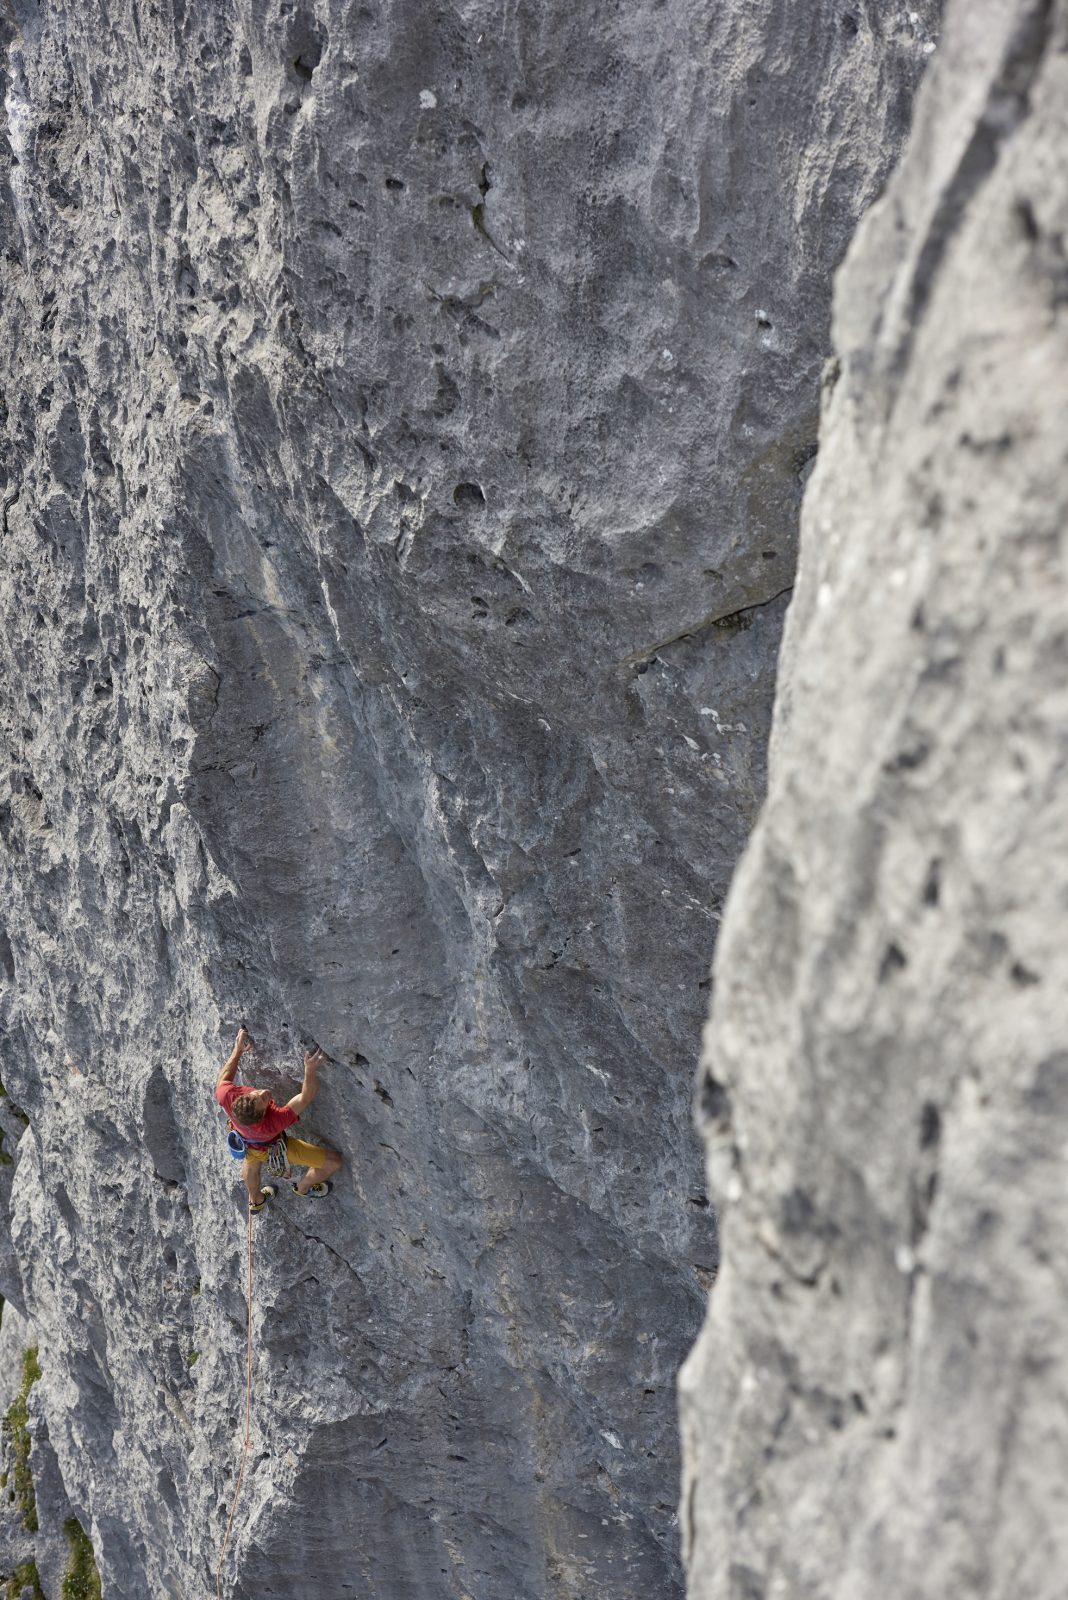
{"x": 878, "y": 1404}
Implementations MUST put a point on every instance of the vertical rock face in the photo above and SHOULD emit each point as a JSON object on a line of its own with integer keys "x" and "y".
{"x": 406, "y": 413}
{"x": 877, "y": 1403}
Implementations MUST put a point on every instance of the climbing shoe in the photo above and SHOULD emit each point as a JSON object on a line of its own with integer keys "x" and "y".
{"x": 317, "y": 1189}
{"x": 269, "y": 1191}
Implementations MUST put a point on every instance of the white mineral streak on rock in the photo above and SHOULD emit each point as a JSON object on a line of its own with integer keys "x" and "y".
{"x": 885, "y": 1074}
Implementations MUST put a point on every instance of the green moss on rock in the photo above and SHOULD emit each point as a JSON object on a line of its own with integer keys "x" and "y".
{"x": 82, "y": 1580}
{"x": 17, "y": 1431}
{"x": 25, "y": 1579}
{"x": 23, "y": 1118}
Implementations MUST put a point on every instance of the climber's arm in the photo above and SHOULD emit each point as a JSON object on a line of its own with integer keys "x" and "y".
{"x": 310, "y": 1087}
{"x": 242, "y": 1043}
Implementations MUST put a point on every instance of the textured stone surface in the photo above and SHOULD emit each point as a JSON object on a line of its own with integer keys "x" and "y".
{"x": 406, "y": 411}
{"x": 45, "y": 1545}
{"x": 879, "y": 1401}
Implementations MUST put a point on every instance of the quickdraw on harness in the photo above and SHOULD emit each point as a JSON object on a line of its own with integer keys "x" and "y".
{"x": 277, "y": 1162}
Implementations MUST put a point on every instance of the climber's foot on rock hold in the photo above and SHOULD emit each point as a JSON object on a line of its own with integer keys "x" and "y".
{"x": 318, "y": 1190}
{"x": 268, "y": 1193}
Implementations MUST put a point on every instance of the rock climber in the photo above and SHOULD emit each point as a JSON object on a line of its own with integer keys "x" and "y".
{"x": 260, "y": 1122}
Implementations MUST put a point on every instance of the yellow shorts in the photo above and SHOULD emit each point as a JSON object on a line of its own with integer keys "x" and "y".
{"x": 298, "y": 1151}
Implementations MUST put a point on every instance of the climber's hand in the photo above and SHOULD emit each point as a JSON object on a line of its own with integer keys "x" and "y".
{"x": 310, "y": 1087}
{"x": 242, "y": 1043}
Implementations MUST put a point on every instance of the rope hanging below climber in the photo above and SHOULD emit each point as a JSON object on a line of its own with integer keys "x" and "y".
{"x": 258, "y": 1137}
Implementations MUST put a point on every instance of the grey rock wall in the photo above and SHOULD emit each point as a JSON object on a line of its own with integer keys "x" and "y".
{"x": 877, "y": 1405}
{"x": 406, "y": 411}
{"x": 32, "y": 1538}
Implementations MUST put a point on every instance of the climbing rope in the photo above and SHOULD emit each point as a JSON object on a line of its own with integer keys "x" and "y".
{"x": 248, "y": 1422}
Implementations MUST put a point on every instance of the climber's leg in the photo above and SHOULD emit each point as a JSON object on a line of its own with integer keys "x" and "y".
{"x": 253, "y": 1172}
{"x": 320, "y": 1162}
{"x": 320, "y": 1173}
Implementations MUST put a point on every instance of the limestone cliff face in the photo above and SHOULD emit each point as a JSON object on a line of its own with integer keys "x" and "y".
{"x": 877, "y": 1404}
{"x": 406, "y": 413}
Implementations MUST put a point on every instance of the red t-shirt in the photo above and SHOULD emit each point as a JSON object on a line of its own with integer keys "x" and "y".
{"x": 274, "y": 1122}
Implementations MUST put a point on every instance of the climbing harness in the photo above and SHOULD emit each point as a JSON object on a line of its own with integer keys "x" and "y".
{"x": 277, "y": 1162}
{"x": 248, "y": 1423}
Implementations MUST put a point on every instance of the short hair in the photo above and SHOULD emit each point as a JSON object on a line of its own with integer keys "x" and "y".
{"x": 243, "y": 1108}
